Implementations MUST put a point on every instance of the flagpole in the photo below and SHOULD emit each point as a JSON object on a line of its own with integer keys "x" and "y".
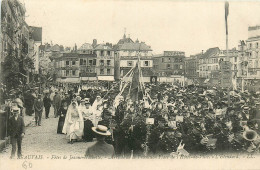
{"x": 227, "y": 57}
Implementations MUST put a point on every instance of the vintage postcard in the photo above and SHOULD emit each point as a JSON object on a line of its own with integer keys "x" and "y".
{"x": 128, "y": 84}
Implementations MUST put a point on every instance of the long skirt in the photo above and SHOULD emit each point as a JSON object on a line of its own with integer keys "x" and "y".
{"x": 88, "y": 133}
{"x": 60, "y": 124}
{"x": 75, "y": 130}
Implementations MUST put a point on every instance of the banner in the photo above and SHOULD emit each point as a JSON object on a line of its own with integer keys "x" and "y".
{"x": 135, "y": 84}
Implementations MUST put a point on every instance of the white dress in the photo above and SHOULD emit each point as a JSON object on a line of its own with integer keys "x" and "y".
{"x": 73, "y": 125}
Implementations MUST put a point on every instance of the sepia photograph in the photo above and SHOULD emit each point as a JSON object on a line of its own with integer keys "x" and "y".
{"x": 128, "y": 84}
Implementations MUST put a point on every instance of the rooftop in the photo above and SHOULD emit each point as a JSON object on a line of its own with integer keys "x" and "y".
{"x": 86, "y": 46}
{"x": 211, "y": 52}
{"x": 103, "y": 47}
{"x": 135, "y": 47}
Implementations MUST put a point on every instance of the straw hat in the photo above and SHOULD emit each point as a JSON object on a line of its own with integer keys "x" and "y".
{"x": 101, "y": 130}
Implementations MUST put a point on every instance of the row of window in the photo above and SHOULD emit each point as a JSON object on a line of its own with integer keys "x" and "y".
{"x": 253, "y": 54}
{"x": 84, "y": 62}
{"x": 253, "y": 65}
{"x": 131, "y": 63}
{"x": 209, "y": 61}
{"x": 209, "y": 68}
{"x": 69, "y": 73}
{"x": 171, "y": 60}
{"x": 102, "y": 71}
{"x": 75, "y": 73}
{"x": 102, "y": 62}
{"x": 250, "y": 45}
{"x": 175, "y": 66}
{"x": 90, "y": 62}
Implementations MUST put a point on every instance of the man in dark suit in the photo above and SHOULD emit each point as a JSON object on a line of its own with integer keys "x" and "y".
{"x": 47, "y": 105}
{"x": 16, "y": 131}
{"x": 100, "y": 149}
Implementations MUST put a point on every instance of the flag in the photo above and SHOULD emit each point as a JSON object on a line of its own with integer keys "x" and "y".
{"x": 226, "y": 15}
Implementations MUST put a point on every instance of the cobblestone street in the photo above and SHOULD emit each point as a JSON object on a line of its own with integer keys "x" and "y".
{"x": 44, "y": 140}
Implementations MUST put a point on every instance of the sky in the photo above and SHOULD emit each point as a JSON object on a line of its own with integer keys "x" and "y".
{"x": 189, "y": 26}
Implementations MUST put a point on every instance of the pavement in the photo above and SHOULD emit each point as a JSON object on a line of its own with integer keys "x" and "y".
{"x": 44, "y": 140}
{"x": 28, "y": 120}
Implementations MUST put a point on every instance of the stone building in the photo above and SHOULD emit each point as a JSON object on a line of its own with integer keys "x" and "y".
{"x": 169, "y": 63}
{"x": 104, "y": 62}
{"x": 253, "y": 55}
{"x": 128, "y": 53}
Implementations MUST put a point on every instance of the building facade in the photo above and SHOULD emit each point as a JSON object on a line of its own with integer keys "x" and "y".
{"x": 14, "y": 31}
{"x": 191, "y": 67}
{"x": 67, "y": 68}
{"x": 169, "y": 63}
{"x": 104, "y": 62}
{"x": 87, "y": 62}
{"x": 127, "y": 55}
{"x": 253, "y": 55}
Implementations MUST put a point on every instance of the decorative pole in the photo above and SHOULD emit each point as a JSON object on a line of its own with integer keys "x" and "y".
{"x": 227, "y": 57}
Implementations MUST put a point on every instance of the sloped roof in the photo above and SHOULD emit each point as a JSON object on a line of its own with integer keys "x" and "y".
{"x": 125, "y": 40}
{"x": 102, "y": 47}
{"x": 211, "y": 52}
{"x": 86, "y": 46}
{"x": 135, "y": 47}
{"x": 56, "y": 47}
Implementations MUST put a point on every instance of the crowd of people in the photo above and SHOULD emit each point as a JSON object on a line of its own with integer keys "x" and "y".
{"x": 166, "y": 120}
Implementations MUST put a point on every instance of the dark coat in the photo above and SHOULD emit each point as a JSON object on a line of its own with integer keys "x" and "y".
{"x": 16, "y": 127}
{"x": 47, "y": 102}
{"x": 100, "y": 150}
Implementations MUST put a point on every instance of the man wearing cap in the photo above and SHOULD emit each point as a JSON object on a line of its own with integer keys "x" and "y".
{"x": 38, "y": 108}
{"x": 100, "y": 149}
{"x": 16, "y": 131}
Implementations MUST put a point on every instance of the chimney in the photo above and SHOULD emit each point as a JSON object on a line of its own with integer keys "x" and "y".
{"x": 202, "y": 52}
{"x": 75, "y": 47}
{"x": 94, "y": 42}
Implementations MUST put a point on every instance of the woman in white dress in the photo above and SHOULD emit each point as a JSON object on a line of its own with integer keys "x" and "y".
{"x": 74, "y": 124}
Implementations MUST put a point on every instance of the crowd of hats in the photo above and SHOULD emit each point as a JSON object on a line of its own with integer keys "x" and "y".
{"x": 189, "y": 113}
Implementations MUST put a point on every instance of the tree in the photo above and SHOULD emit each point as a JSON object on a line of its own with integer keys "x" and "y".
{"x": 11, "y": 70}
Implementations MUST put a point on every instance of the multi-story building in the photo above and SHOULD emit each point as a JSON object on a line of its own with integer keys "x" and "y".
{"x": 253, "y": 48}
{"x": 15, "y": 37}
{"x": 104, "y": 62}
{"x": 67, "y": 68}
{"x": 169, "y": 63}
{"x": 87, "y": 62}
{"x": 209, "y": 66}
{"x": 191, "y": 67}
{"x": 128, "y": 53}
{"x": 242, "y": 65}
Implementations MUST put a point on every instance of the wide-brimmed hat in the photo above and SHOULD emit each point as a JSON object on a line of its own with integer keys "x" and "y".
{"x": 101, "y": 130}
{"x": 86, "y": 99}
{"x": 15, "y": 109}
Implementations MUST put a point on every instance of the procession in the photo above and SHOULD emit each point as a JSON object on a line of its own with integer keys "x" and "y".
{"x": 170, "y": 121}
{"x": 124, "y": 100}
